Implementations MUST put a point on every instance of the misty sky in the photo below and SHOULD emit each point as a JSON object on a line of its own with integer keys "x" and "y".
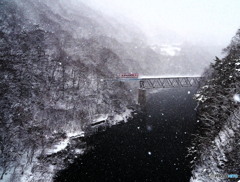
{"x": 205, "y": 21}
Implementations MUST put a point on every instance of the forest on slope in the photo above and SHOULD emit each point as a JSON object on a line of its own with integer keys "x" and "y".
{"x": 216, "y": 145}
{"x": 52, "y": 59}
{"x": 53, "y": 56}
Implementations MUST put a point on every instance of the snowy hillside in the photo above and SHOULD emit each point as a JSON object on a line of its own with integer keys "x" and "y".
{"x": 216, "y": 145}
{"x": 52, "y": 60}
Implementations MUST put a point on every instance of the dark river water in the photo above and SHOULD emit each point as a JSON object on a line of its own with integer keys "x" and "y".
{"x": 152, "y": 146}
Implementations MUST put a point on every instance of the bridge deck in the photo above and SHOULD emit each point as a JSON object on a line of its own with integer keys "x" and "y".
{"x": 169, "y": 76}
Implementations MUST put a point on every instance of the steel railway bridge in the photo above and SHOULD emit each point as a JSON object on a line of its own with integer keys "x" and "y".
{"x": 165, "y": 82}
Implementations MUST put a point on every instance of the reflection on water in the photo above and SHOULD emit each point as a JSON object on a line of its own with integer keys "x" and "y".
{"x": 150, "y": 147}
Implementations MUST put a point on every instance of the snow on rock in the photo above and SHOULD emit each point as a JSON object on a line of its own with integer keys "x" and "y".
{"x": 236, "y": 98}
{"x": 62, "y": 144}
{"x": 75, "y": 134}
{"x": 59, "y": 146}
{"x": 215, "y": 155}
{"x": 100, "y": 117}
{"x": 79, "y": 151}
{"x": 121, "y": 117}
{"x": 200, "y": 97}
{"x": 205, "y": 86}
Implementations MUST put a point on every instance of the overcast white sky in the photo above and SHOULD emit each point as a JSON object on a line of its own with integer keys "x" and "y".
{"x": 209, "y": 21}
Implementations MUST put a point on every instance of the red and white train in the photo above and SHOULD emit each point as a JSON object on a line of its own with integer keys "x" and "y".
{"x": 129, "y": 75}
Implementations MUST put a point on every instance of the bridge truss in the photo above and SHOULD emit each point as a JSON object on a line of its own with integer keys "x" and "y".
{"x": 173, "y": 82}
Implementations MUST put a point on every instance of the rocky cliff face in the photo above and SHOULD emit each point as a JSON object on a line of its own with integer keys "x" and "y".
{"x": 217, "y": 144}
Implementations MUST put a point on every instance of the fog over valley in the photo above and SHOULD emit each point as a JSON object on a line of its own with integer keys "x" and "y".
{"x": 117, "y": 90}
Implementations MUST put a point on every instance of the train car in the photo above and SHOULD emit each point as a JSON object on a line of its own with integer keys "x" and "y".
{"x": 129, "y": 75}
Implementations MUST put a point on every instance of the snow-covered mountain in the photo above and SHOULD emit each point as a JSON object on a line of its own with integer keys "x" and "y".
{"x": 52, "y": 60}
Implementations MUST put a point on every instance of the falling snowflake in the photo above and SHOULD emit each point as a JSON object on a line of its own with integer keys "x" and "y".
{"x": 149, "y": 128}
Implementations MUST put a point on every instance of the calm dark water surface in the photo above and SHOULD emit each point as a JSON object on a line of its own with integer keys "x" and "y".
{"x": 150, "y": 147}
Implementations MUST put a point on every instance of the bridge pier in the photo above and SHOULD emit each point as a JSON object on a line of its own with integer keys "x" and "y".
{"x": 142, "y": 97}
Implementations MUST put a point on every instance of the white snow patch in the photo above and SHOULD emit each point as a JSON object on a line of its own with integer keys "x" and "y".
{"x": 121, "y": 117}
{"x": 200, "y": 97}
{"x": 62, "y": 144}
{"x": 75, "y": 134}
{"x": 100, "y": 117}
{"x": 236, "y": 98}
{"x": 79, "y": 151}
{"x": 169, "y": 50}
{"x": 205, "y": 86}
